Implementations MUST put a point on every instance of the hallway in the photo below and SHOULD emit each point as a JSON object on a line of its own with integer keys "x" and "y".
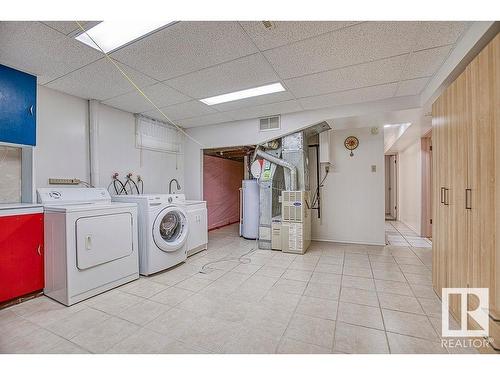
{"x": 399, "y": 234}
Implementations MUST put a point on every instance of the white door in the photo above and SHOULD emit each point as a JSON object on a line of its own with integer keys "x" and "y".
{"x": 101, "y": 239}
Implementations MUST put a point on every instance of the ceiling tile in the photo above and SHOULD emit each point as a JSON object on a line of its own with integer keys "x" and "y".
{"x": 185, "y": 47}
{"x": 214, "y": 118}
{"x": 368, "y": 74}
{"x": 256, "y": 100}
{"x": 411, "y": 87}
{"x": 438, "y": 33}
{"x": 99, "y": 80}
{"x": 159, "y": 93}
{"x": 352, "y": 45}
{"x": 366, "y": 94}
{"x": 266, "y": 110}
{"x": 191, "y": 109}
{"x": 425, "y": 63}
{"x": 285, "y": 32}
{"x": 240, "y": 74}
{"x": 70, "y": 27}
{"x": 40, "y": 50}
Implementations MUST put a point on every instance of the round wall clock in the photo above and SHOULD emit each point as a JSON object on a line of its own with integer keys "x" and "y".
{"x": 351, "y": 143}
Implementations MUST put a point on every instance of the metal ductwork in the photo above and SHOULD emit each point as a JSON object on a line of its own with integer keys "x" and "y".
{"x": 283, "y": 163}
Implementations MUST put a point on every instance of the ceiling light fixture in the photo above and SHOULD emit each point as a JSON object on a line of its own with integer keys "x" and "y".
{"x": 405, "y": 124}
{"x": 110, "y": 35}
{"x": 243, "y": 94}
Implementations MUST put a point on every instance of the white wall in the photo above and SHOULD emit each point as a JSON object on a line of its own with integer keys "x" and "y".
{"x": 10, "y": 170}
{"x": 352, "y": 199}
{"x": 117, "y": 153}
{"x": 410, "y": 186}
{"x": 245, "y": 132}
{"x": 62, "y": 137}
{"x": 63, "y": 145}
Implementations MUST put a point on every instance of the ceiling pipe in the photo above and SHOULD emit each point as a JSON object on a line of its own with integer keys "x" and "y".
{"x": 94, "y": 142}
{"x": 284, "y": 164}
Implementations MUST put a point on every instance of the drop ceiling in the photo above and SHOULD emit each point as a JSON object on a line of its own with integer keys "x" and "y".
{"x": 321, "y": 64}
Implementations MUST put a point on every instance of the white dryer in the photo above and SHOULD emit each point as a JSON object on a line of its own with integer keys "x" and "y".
{"x": 163, "y": 230}
{"x": 90, "y": 243}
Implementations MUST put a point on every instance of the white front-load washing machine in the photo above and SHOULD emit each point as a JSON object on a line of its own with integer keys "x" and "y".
{"x": 90, "y": 243}
{"x": 163, "y": 230}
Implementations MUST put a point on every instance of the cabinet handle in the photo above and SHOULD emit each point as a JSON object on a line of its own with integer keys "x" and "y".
{"x": 38, "y": 250}
{"x": 446, "y": 196}
{"x": 468, "y": 193}
{"x": 442, "y": 195}
{"x": 31, "y": 110}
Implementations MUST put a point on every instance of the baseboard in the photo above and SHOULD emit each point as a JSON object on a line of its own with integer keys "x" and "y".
{"x": 349, "y": 242}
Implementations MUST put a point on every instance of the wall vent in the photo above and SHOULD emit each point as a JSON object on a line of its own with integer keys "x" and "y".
{"x": 269, "y": 123}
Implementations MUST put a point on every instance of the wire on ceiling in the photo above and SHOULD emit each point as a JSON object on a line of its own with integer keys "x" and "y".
{"x": 138, "y": 89}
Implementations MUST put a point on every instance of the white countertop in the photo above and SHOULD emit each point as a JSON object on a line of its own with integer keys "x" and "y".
{"x": 189, "y": 202}
{"x": 8, "y": 209}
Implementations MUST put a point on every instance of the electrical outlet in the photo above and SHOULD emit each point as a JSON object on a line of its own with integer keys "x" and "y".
{"x": 374, "y": 168}
{"x": 64, "y": 181}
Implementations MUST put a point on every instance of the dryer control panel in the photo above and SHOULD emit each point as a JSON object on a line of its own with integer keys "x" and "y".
{"x": 67, "y": 195}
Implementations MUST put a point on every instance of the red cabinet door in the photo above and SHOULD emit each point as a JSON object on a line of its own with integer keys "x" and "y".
{"x": 21, "y": 255}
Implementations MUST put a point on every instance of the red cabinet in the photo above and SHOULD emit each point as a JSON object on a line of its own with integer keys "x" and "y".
{"x": 21, "y": 255}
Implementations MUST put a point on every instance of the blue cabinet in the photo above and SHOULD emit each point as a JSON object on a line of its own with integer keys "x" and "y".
{"x": 17, "y": 107}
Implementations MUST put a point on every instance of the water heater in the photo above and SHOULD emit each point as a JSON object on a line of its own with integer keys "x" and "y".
{"x": 250, "y": 206}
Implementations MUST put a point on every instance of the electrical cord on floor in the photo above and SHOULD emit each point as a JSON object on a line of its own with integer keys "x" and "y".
{"x": 241, "y": 259}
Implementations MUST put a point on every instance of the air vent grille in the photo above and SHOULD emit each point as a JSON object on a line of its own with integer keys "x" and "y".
{"x": 293, "y": 207}
{"x": 269, "y": 123}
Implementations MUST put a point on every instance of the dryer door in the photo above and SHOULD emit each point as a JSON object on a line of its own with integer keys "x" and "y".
{"x": 170, "y": 229}
{"x": 101, "y": 239}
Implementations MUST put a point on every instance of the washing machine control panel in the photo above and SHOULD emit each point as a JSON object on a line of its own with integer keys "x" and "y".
{"x": 166, "y": 198}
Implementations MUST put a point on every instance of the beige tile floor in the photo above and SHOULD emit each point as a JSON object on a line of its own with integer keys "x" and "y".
{"x": 399, "y": 234}
{"x": 337, "y": 298}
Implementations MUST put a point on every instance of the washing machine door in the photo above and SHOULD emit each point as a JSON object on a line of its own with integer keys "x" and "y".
{"x": 170, "y": 229}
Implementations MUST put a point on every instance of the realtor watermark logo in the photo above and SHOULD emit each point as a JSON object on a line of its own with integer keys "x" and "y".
{"x": 464, "y": 336}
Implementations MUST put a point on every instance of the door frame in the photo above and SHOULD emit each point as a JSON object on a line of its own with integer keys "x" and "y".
{"x": 393, "y": 181}
{"x": 426, "y": 181}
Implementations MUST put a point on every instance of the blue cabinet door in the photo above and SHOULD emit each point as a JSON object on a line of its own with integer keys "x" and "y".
{"x": 17, "y": 107}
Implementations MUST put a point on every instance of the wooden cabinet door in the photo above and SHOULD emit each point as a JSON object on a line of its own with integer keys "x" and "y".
{"x": 457, "y": 248}
{"x": 484, "y": 97}
{"x": 438, "y": 227}
{"x": 21, "y": 255}
{"x": 495, "y": 100}
{"x": 441, "y": 181}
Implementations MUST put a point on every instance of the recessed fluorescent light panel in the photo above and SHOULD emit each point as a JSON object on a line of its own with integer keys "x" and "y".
{"x": 110, "y": 35}
{"x": 405, "y": 125}
{"x": 243, "y": 94}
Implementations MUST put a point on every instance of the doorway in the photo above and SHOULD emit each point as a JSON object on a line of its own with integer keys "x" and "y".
{"x": 223, "y": 171}
{"x": 426, "y": 217}
{"x": 391, "y": 187}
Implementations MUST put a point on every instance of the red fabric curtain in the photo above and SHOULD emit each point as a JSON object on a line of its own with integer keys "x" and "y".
{"x": 221, "y": 183}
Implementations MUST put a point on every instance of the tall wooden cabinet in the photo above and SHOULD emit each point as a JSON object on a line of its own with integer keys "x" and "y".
{"x": 466, "y": 182}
